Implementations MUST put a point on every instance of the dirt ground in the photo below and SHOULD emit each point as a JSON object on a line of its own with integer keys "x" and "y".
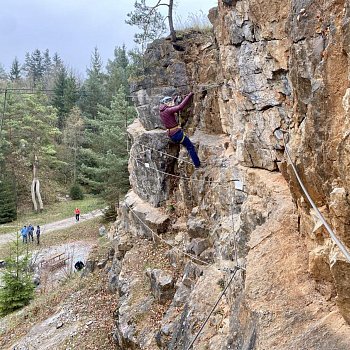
{"x": 83, "y": 320}
{"x": 71, "y": 310}
{"x": 71, "y": 253}
{"x": 57, "y": 225}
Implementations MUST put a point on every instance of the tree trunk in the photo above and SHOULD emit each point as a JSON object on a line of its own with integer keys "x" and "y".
{"x": 171, "y": 24}
{"x": 75, "y": 165}
{"x": 35, "y": 189}
{"x": 35, "y": 205}
{"x": 37, "y": 192}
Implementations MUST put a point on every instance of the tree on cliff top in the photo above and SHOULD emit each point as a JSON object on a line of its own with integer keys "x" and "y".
{"x": 151, "y": 21}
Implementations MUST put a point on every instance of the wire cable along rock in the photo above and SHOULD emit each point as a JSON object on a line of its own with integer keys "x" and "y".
{"x": 333, "y": 236}
{"x": 220, "y": 183}
{"x": 234, "y": 271}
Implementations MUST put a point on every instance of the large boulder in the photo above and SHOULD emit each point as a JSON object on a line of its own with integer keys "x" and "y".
{"x": 162, "y": 285}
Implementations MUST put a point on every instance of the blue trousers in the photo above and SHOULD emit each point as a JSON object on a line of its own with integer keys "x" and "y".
{"x": 177, "y": 137}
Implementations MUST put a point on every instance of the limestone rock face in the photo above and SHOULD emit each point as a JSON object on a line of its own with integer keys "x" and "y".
{"x": 142, "y": 218}
{"x": 160, "y": 79}
{"x": 149, "y": 184}
{"x": 341, "y": 272}
{"x": 268, "y": 68}
{"x": 162, "y": 285}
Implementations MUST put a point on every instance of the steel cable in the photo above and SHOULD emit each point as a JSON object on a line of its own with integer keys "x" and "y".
{"x": 163, "y": 240}
{"x": 236, "y": 268}
{"x": 333, "y": 236}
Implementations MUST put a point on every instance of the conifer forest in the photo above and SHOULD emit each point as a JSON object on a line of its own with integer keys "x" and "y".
{"x": 60, "y": 130}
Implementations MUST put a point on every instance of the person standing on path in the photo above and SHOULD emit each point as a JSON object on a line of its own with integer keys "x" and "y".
{"x": 24, "y": 233}
{"x": 30, "y": 232}
{"x": 77, "y": 214}
{"x": 38, "y": 234}
{"x": 167, "y": 112}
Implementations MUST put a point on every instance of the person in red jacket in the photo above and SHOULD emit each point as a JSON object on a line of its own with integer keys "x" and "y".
{"x": 167, "y": 110}
{"x": 77, "y": 214}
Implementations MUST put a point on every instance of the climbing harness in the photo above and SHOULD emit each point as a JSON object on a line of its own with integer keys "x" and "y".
{"x": 183, "y": 137}
{"x": 174, "y": 128}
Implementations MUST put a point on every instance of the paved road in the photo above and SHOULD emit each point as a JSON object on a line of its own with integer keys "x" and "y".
{"x": 57, "y": 225}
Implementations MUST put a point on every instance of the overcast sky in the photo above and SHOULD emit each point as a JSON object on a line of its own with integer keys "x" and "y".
{"x": 72, "y": 27}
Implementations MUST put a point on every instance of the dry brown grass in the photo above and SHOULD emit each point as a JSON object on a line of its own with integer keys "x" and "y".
{"x": 19, "y": 323}
{"x": 94, "y": 285}
{"x": 98, "y": 336}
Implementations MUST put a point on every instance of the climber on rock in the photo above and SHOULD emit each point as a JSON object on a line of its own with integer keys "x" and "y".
{"x": 167, "y": 110}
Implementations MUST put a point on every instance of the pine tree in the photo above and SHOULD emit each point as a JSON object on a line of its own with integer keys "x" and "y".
{"x": 58, "y": 99}
{"x": 8, "y": 209}
{"x": 37, "y": 66}
{"x": 105, "y": 163}
{"x": 15, "y": 72}
{"x": 93, "y": 92}
{"x": 17, "y": 287}
{"x": 115, "y": 155}
{"x": 65, "y": 95}
{"x": 3, "y": 75}
{"x": 48, "y": 74}
{"x": 73, "y": 137}
{"x": 47, "y": 63}
{"x": 137, "y": 64}
{"x": 151, "y": 21}
{"x": 29, "y": 134}
{"x": 71, "y": 94}
{"x": 27, "y": 66}
{"x": 117, "y": 72}
{"x": 34, "y": 67}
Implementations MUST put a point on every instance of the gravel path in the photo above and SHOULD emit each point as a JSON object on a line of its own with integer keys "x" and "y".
{"x": 57, "y": 225}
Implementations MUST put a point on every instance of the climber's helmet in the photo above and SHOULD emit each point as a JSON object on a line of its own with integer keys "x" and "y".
{"x": 165, "y": 100}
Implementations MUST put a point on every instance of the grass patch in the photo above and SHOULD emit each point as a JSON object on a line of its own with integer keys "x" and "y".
{"x": 197, "y": 21}
{"x": 54, "y": 212}
{"x": 80, "y": 231}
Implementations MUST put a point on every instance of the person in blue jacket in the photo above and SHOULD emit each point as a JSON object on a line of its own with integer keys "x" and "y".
{"x": 24, "y": 234}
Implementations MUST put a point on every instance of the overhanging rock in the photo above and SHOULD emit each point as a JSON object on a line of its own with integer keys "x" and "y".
{"x": 136, "y": 210}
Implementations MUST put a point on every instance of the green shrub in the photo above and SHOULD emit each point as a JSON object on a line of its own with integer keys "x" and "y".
{"x": 17, "y": 289}
{"x": 76, "y": 192}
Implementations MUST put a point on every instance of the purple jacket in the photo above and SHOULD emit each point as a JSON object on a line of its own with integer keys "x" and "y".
{"x": 168, "y": 117}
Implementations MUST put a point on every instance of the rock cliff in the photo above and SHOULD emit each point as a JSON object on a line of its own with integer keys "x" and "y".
{"x": 267, "y": 67}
